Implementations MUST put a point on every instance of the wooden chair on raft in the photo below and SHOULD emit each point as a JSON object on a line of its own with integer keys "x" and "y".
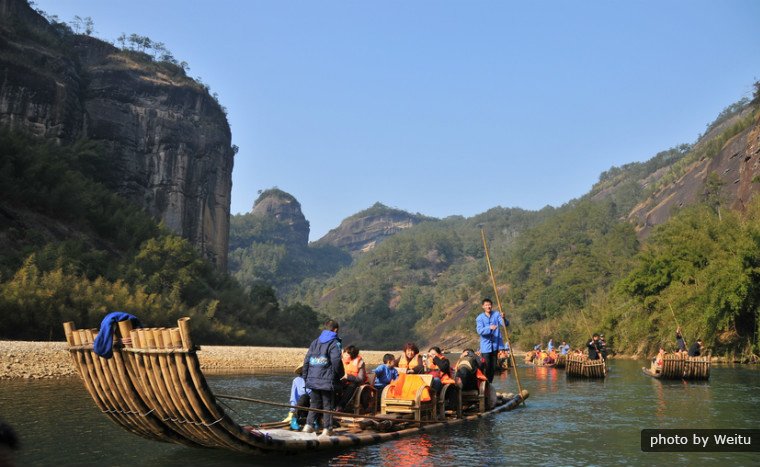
{"x": 475, "y": 397}
{"x": 364, "y": 400}
{"x": 410, "y": 394}
{"x": 450, "y": 397}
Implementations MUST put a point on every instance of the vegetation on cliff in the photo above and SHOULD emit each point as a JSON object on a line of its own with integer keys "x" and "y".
{"x": 73, "y": 250}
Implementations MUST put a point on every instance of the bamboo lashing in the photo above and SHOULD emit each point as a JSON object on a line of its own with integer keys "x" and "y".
{"x": 501, "y": 310}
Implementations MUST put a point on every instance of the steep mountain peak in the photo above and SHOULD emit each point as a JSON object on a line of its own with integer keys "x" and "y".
{"x": 284, "y": 209}
{"x": 364, "y": 230}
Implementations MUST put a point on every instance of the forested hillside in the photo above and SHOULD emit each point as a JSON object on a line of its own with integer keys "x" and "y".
{"x": 73, "y": 250}
{"x": 269, "y": 245}
{"x": 585, "y": 267}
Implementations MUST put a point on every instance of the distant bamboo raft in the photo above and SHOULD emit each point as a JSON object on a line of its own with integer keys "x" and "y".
{"x": 153, "y": 387}
{"x": 580, "y": 366}
{"x": 681, "y": 366}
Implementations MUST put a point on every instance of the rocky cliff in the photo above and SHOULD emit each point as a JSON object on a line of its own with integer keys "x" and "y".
{"x": 168, "y": 138}
{"x": 731, "y": 176}
{"x": 364, "y": 230}
{"x": 283, "y": 209}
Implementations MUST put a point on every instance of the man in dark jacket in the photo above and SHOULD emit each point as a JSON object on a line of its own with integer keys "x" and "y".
{"x": 696, "y": 349}
{"x": 322, "y": 371}
{"x": 594, "y": 348}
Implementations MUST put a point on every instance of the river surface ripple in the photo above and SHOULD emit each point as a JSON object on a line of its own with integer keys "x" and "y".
{"x": 565, "y": 423}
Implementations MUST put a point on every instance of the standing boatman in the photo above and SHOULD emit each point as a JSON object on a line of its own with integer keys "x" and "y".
{"x": 488, "y": 324}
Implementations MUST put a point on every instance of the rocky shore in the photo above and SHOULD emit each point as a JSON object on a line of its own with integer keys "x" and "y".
{"x": 30, "y": 360}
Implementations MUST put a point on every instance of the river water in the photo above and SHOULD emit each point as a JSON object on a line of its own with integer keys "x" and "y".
{"x": 565, "y": 422}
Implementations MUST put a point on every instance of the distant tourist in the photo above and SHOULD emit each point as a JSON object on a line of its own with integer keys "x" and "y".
{"x": 602, "y": 346}
{"x": 488, "y": 325}
{"x": 657, "y": 361}
{"x": 550, "y": 345}
{"x": 696, "y": 349}
{"x": 564, "y": 348}
{"x": 680, "y": 343}
{"x": 594, "y": 348}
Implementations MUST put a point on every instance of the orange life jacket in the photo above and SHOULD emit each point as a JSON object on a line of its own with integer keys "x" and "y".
{"x": 352, "y": 367}
{"x": 437, "y": 373}
{"x": 404, "y": 363}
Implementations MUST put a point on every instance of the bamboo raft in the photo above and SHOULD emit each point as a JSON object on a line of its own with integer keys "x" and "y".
{"x": 580, "y": 366}
{"x": 681, "y": 366}
{"x": 561, "y": 361}
{"x": 153, "y": 387}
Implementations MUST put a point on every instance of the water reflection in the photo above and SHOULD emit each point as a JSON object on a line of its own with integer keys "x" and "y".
{"x": 575, "y": 422}
{"x": 407, "y": 452}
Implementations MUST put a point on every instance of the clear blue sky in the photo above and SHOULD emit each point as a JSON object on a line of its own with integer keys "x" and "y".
{"x": 447, "y": 107}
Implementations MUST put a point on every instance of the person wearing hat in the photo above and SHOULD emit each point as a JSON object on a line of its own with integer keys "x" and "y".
{"x": 300, "y": 396}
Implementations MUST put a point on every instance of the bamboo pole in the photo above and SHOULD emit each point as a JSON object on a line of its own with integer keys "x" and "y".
{"x": 678, "y": 326}
{"x": 501, "y": 311}
{"x": 220, "y": 422}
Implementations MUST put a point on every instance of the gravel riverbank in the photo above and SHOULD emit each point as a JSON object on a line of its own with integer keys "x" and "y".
{"x": 28, "y": 360}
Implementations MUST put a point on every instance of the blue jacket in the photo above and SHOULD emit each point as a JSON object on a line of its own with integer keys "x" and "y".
{"x": 322, "y": 366}
{"x": 490, "y": 340}
{"x": 103, "y": 344}
{"x": 384, "y": 375}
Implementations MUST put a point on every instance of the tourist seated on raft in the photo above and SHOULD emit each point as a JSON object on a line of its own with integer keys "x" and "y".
{"x": 551, "y": 357}
{"x": 468, "y": 371}
{"x": 502, "y": 358}
{"x": 440, "y": 368}
{"x": 411, "y": 360}
{"x": 355, "y": 375}
{"x": 385, "y": 373}
{"x": 564, "y": 348}
{"x": 299, "y": 396}
{"x": 657, "y": 361}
